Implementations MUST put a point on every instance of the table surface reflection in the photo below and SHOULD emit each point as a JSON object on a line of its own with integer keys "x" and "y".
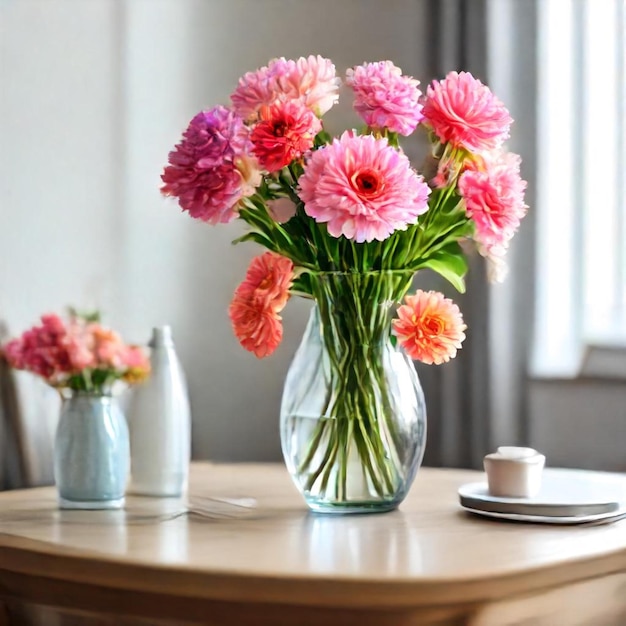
{"x": 244, "y": 535}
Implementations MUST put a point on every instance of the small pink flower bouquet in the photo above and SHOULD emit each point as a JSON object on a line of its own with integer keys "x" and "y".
{"x": 352, "y": 203}
{"x": 79, "y": 355}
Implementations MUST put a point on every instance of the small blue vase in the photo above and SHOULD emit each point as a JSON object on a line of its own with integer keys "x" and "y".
{"x": 91, "y": 454}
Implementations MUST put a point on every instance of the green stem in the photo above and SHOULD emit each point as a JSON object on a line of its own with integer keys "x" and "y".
{"x": 354, "y": 328}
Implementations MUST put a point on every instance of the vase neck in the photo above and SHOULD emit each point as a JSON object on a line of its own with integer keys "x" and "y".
{"x": 79, "y": 394}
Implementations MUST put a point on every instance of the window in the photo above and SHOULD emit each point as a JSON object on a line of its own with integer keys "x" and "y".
{"x": 581, "y": 185}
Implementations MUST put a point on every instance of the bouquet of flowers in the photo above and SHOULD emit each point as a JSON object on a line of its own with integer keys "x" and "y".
{"x": 348, "y": 221}
{"x": 77, "y": 355}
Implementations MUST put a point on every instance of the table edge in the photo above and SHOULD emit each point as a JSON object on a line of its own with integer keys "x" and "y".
{"x": 41, "y": 559}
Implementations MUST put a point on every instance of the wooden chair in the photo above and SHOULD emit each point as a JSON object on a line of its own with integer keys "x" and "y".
{"x": 29, "y": 411}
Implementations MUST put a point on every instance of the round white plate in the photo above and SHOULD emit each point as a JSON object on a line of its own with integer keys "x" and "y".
{"x": 545, "y": 519}
{"x": 566, "y": 496}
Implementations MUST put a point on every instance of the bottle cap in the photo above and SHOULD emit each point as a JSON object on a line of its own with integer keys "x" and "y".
{"x": 161, "y": 337}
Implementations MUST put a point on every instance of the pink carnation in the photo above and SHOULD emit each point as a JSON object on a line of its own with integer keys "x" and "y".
{"x": 493, "y": 192}
{"x": 42, "y": 350}
{"x": 362, "y": 188}
{"x": 259, "y": 88}
{"x": 384, "y": 98}
{"x": 313, "y": 81}
{"x": 204, "y": 168}
{"x": 429, "y": 327}
{"x": 286, "y": 131}
{"x": 310, "y": 80}
{"x": 463, "y": 112}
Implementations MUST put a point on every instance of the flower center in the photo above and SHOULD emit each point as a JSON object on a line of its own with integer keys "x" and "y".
{"x": 279, "y": 129}
{"x": 367, "y": 182}
{"x": 434, "y": 326}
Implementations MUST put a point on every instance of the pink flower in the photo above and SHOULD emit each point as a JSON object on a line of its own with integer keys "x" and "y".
{"x": 463, "y": 112}
{"x": 286, "y": 131}
{"x": 493, "y": 192}
{"x": 281, "y": 210}
{"x": 429, "y": 327}
{"x": 136, "y": 365}
{"x": 203, "y": 171}
{"x": 311, "y": 81}
{"x": 42, "y": 350}
{"x": 362, "y": 188}
{"x": 254, "y": 310}
{"x": 80, "y": 345}
{"x": 259, "y": 88}
{"x": 384, "y": 98}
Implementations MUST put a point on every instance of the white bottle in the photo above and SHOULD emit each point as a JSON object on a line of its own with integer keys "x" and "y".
{"x": 160, "y": 424}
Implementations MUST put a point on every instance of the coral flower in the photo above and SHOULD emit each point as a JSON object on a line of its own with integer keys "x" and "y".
{"x": 363, "y": 188}
{"x": 254, "y": 310}
{"x": 429, "y": 327}
{"x": 258, "y": 330}
{"x": 493, "y": 193}
{"x": 311, "y": 81}
{"x": 384, "y": 98}
{"x": 465, "y": 113}
{"x": 203, "y": 171}
{"x": 286, "y": 131}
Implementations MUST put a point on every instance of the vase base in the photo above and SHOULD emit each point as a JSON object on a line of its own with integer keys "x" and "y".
{"x": 351, "y": 508}
{"x": 92, "y": 505}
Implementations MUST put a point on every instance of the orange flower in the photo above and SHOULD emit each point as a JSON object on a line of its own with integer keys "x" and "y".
{"x": 268, "y": 280}
{"x": 429, "y": 327}
{"x": 254, "y": 311}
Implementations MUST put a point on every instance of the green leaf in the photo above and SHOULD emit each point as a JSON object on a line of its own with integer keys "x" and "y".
{"x": 322, "y": 138}
{"x": 450, "y": 263}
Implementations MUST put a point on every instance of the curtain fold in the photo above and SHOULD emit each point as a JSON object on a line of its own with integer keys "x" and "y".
{"x": 457, "y": 393}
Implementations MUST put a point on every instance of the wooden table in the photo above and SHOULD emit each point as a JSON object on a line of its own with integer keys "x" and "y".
{"x": 251, "y": 554}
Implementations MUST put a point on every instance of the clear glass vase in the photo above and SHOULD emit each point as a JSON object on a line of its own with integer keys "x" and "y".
{"x": 91, "y": 452}
{"x": 353, "y": 417}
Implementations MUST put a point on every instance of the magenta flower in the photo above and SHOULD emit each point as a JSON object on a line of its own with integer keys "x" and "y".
{"x": 463, "y": 112}
{"x": 310, "y": 80}
{"x": 42, "y": 350}
{"x": 384, "y": 98}
{"x": 362, "y": 188}
{"x": 205, "y": 170}
{"x": 493, "y": 193}
{"x": 285, "y": 132}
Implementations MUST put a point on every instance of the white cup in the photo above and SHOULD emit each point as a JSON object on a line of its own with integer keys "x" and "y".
{"x": 514, "y": 472}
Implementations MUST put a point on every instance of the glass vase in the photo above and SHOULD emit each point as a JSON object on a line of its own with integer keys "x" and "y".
{"x": 353, "y": 417}
{"x": 91, "y": 453}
